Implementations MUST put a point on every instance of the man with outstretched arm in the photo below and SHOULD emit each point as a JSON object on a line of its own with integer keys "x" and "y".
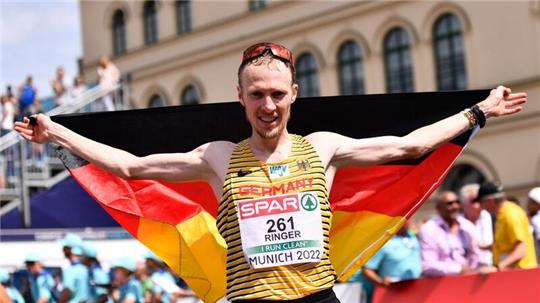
{"x": 241, "y": 173}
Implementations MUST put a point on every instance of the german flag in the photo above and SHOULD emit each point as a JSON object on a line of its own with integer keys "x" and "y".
{"x": 177, "y": 220}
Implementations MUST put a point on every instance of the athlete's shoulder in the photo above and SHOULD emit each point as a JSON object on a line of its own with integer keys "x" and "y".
{"x": 221, "y": 144}
{"x": 322, "y": 137}
{"x": 324, "y": 140}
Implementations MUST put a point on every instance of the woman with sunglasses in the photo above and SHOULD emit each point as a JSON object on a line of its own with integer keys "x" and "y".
{"x": 274, "y": 213}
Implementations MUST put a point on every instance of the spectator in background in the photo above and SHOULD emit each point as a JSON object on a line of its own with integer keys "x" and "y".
{"x": 147, "y": 286}
{"x": 11, "y": 291}
{"x": 448, "y": 241}
{"x": 68, "y": 243}
{"x": 128, "y": 289}
{"x": 399, "y": 259}
{"x": 108, "y": 75}
{"x": 481, "y": 219}
{"x": 8, "y": 115}
{"x": 533, "y": 206}
{"x": 159, "y": 275}
{"x": 41, "y": 282}
{"x": 27, "y": 98}
{"x": 97, "y": 277}
{"x": 514, "y": 245}
{"x": 58, "y": 86}
{"x": 75, "y": 280}
{"x": 77, "y": 89}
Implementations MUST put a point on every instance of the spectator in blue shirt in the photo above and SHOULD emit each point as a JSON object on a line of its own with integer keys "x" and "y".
{"x": 129, "y": 290}
{"x": 399, "y": 259}
{"x": 68, "y": 242}
{"x": 41, "y": 282}
{"x": 156, "y": 269}
{"x": 75, "y": 280}
{"x": 98, "y": 278}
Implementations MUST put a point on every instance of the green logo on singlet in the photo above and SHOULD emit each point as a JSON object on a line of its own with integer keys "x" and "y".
{"x": 309, "y": 202}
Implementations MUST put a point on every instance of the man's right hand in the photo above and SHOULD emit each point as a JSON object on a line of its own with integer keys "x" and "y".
{"x": 386, "y": 281}
{"x": 38, "y": 133}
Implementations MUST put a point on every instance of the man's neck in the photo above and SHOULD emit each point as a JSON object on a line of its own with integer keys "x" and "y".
{"x": 451, "y": 222}
{"x": 266, "y": 149}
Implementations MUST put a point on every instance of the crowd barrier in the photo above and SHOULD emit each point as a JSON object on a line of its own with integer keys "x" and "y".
{"x": 520, "y": 285}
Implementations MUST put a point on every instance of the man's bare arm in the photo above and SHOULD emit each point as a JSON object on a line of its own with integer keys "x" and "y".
{"x": 192, "y": 165}
{"x": 345, "y": 151}
{"x": 517, "y": 254}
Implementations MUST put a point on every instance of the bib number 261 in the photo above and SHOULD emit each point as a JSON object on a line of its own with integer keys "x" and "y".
{"x": 280, "y": 224}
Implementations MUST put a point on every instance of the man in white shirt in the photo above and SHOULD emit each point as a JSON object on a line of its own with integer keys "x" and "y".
{"x": 472, "y": 211}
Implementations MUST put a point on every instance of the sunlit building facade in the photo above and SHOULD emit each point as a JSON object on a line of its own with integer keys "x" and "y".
{"x": 187, "y": 52}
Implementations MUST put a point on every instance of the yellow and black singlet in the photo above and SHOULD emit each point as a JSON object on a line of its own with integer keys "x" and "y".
{"x": 275, "y": 219}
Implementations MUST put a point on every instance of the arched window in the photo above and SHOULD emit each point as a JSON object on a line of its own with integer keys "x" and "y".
{"x": 462, "y": 174}
{"x": 156, "y": 101}
{"x": 190, "y": 95}
{"x": 449, "y": 53}
{"x": 150, "y": 23}
{"x": 255, "y": 5}
{"x": 119, "y": 32}
{"x": 351, "y": 74}
{"x": 307, "y": 75}
{"x": 183, "y": 16}
{"x": 398, "y": 62}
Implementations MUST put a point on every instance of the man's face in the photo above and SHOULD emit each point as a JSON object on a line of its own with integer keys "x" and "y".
{"x": 448, "y": 207}
{"x": 472, "y": 210}
{"x": 151, "y": 264}
{"x": 266, "y": 92}
{"x": 121, "y": 276}
{"x": 67, "y": 251}
{"x": 32, "y": 268}
{"x": 532, "y": 206}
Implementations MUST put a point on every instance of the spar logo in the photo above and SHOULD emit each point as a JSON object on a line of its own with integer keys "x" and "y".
{"x": 309, "y": 202}
{"x": 268, "y": 206}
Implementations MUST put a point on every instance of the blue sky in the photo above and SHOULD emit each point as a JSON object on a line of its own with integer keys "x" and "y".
{"x": 37, "y": 36}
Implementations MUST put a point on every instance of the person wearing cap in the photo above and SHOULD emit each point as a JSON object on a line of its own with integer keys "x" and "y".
{"x": 75, "y": 280}
{"x": 70, "y": 241}
{"x": 147, "y": 285}
{"x": 98, "y": 279}
{"x": 129, "y": 290}
{"x": 472, "y": 211}
{"x": 266, "y": 89}
{"x": 157, "y": 272}
{"x": 11, "y": 291}
{"x": 41, "y": 282}
{"x": 448, "y": 241}
{"x": 157, "y": 269}
{"x": 513, "y": 246}
{"x": 533, "y": 207}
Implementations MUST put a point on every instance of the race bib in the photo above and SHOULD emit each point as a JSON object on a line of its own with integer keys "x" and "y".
{"x": 281, "y": 230}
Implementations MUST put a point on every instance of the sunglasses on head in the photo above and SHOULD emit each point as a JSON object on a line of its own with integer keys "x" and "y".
{"x": 259, "y": 49}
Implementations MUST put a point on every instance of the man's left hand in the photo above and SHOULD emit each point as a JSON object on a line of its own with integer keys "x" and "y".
{"x": 501, "y": 102}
